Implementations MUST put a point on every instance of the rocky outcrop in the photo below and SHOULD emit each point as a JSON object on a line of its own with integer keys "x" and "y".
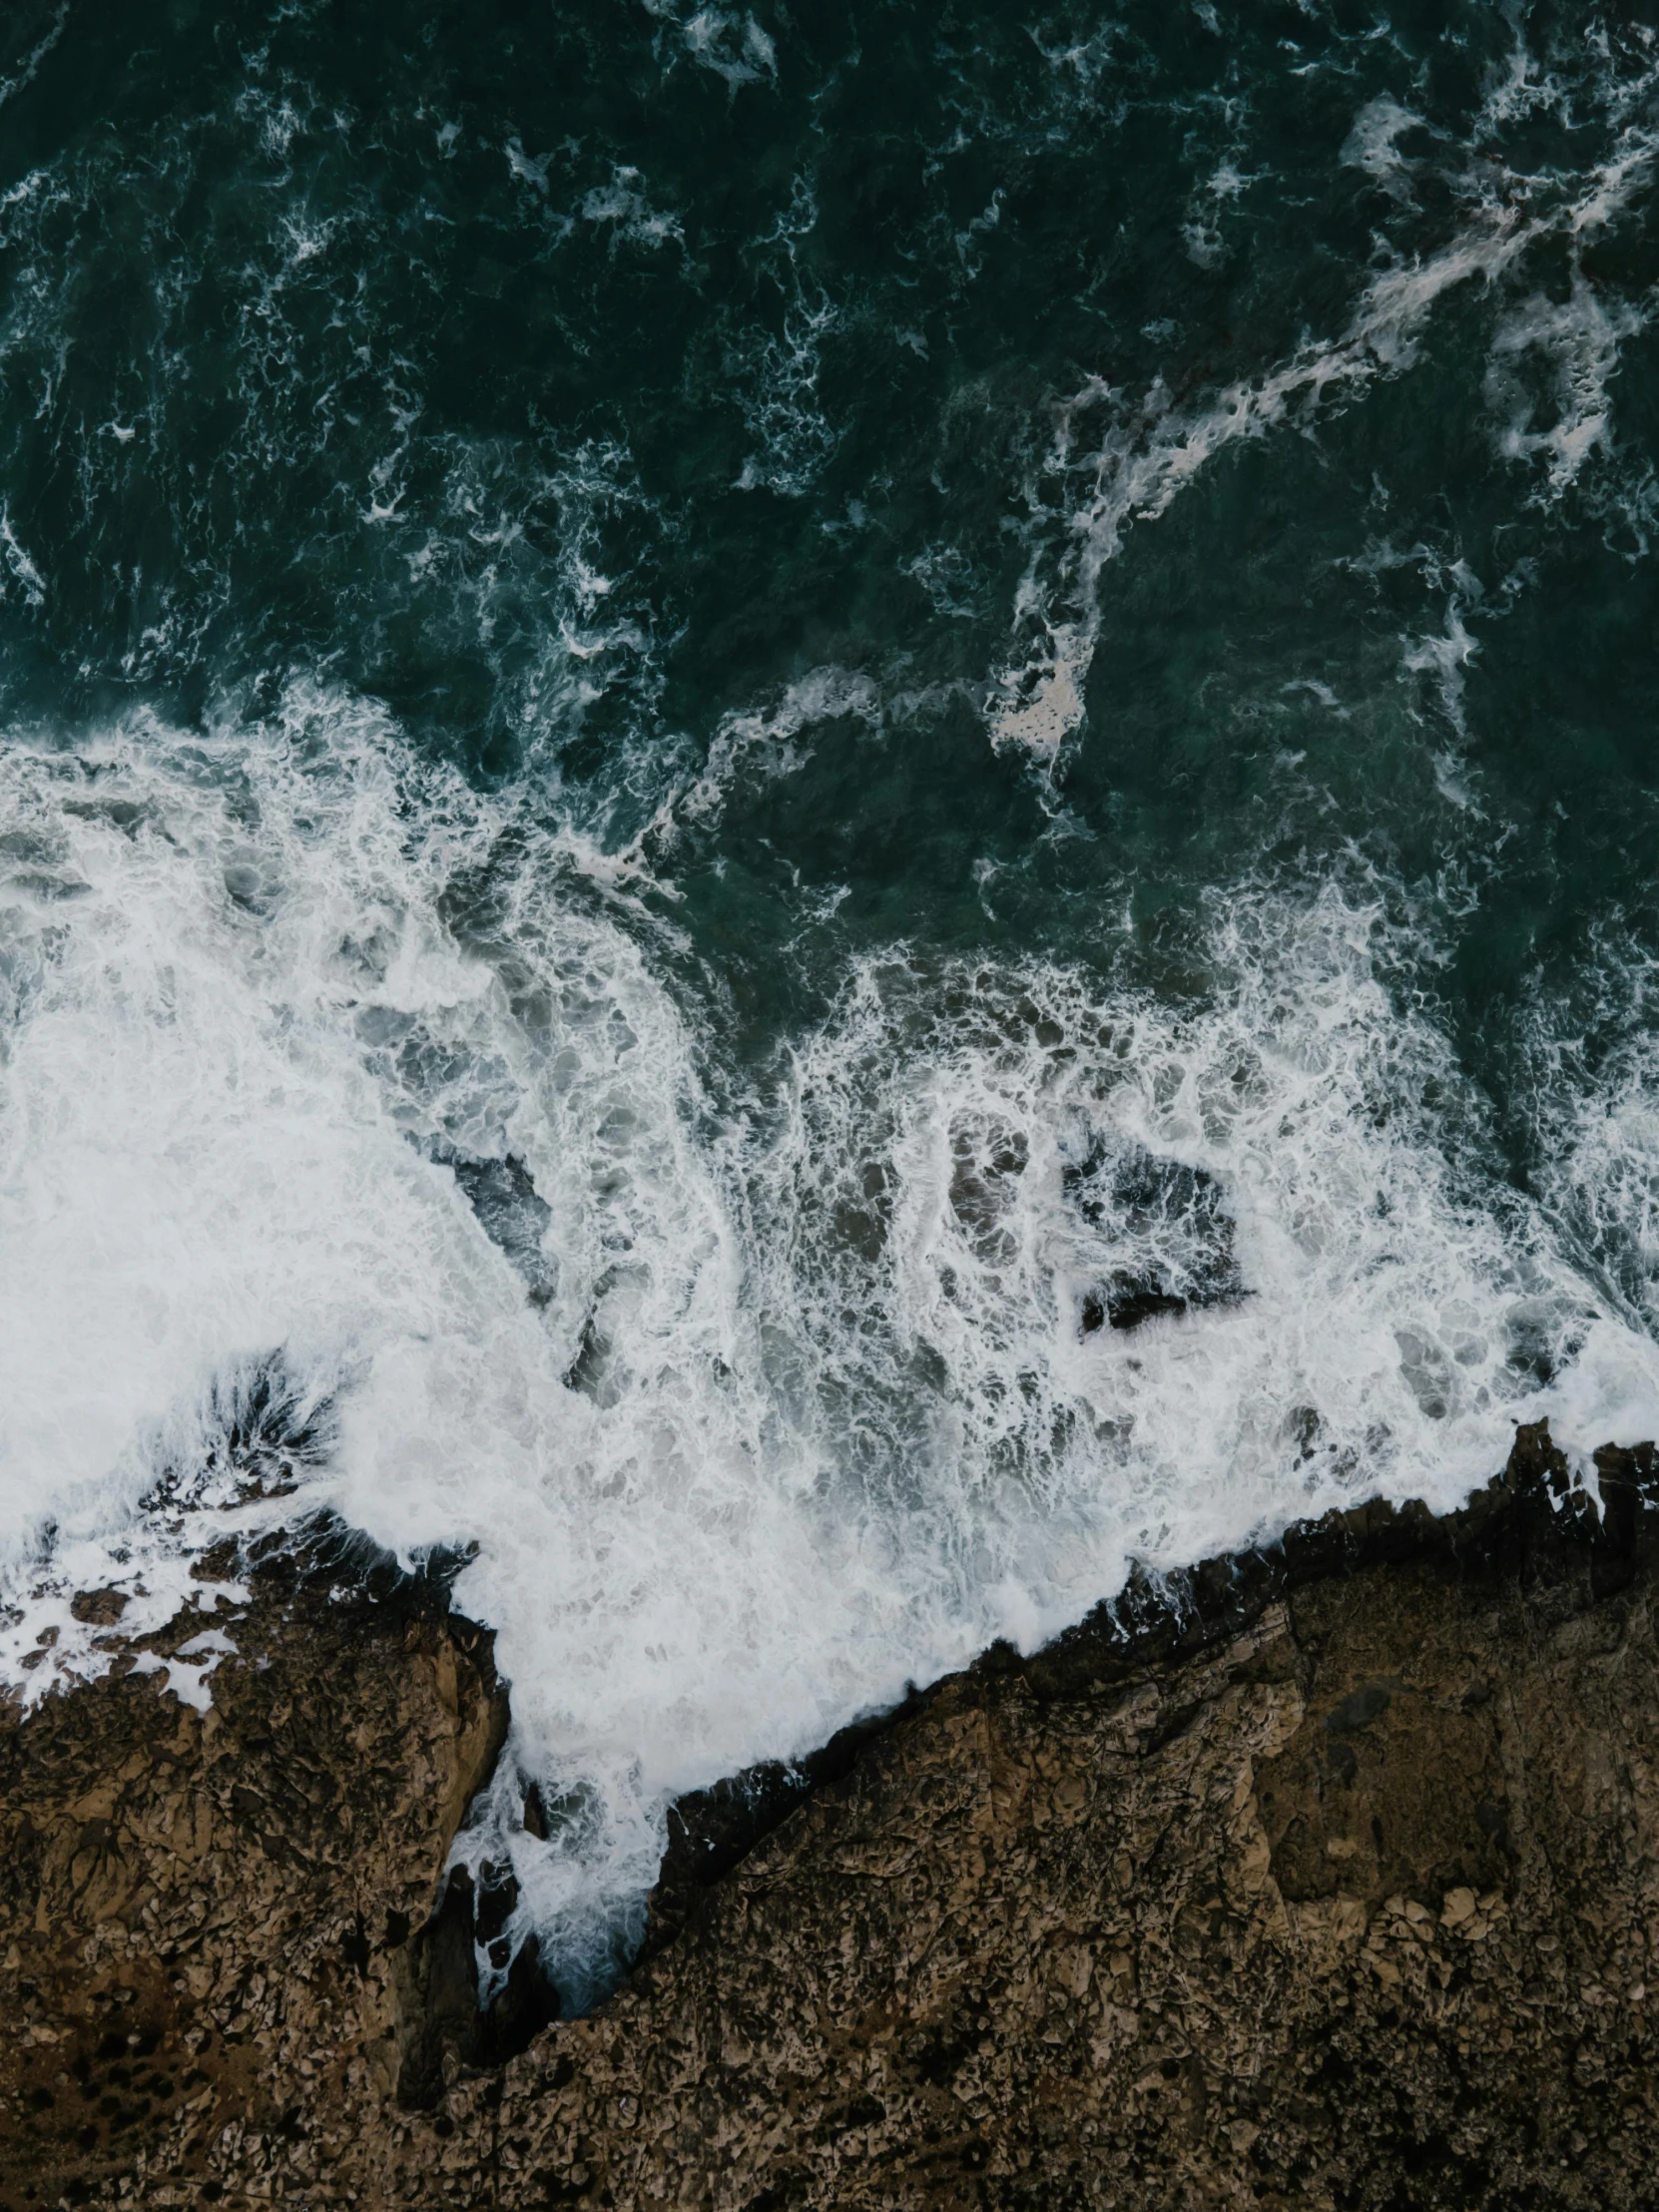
{"x": 1329, "y": 1877}
{"x": 210, "y": 1951}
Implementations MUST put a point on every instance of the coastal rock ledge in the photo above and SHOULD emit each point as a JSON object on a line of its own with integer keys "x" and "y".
{"x": 1327, "y": 1876}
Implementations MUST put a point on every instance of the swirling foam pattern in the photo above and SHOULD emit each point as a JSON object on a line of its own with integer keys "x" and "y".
{"x": 808, "y": 826}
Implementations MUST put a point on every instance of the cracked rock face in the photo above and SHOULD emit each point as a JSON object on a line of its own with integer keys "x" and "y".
{"x": 1335, "y": 1881}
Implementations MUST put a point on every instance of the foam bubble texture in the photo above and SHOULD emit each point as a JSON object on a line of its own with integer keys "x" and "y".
{"x": 355, "y": 1153}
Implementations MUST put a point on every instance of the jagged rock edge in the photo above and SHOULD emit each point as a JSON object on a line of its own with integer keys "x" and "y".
{"x": 1163, "y": 1618}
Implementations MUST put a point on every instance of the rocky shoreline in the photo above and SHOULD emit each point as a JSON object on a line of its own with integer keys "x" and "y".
{"x": 1325, "y": 1876}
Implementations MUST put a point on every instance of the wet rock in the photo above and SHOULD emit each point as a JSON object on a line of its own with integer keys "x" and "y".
{"x": 1172, "y": 1216}
{"x": 1104, "y": 1927}
{"x": 101, "y": 1608}
{"x": 436, "y": 1986}
{"x": 510, "y": 1212}
{"x": 526, "y": 2003}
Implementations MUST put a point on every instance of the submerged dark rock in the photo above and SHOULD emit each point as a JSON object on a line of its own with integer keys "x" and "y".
{"x": 1325, "y": 1874}
{"x": 510, "y": 1210}
{"x": 1173, "y": 1217}
{"x": 1127, "y": 1301}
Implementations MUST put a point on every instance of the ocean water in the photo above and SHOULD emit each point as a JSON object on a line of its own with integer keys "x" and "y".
{"x": 811, "y": 819}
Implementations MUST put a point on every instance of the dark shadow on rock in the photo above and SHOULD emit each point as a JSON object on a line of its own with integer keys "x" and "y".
{"x": 439, "y": 2014}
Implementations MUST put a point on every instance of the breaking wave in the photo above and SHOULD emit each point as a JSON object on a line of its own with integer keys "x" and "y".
{"x": 359, "y": 1154}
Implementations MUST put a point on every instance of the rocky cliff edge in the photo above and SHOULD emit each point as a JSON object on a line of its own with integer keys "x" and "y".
{"x": 1325, "y": 1876}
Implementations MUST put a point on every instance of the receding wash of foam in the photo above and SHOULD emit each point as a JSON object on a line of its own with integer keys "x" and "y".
{"x": 809, "y": 829}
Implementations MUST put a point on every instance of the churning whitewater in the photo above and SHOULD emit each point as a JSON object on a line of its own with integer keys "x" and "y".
{"x": 690, "y": 906}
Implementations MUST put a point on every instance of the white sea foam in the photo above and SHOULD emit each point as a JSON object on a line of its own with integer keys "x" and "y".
{"x": 775, "y": 373}
{"x": 1373, "y": 145}
{"x": 731, "y": 46}
{"x": 1591, "y": 1097}
{"x": 624, "y": 207}
{"x": 763, "y": 744}
{"x": 25, "y": 74}
{"x": 1577, "y": 341}
{"x": 1152, "y": 448}
{"x": 16, "y": 565}
{"x": 755, "y": 1413}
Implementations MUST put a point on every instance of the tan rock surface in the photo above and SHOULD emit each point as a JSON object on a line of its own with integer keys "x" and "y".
{"x": 1336, "y": 1885}
{"x": 196, "y": 1975}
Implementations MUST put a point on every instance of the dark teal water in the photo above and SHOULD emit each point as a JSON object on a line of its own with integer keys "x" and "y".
{"x": 421, "y": 318}
{"x": 715, "y": 725}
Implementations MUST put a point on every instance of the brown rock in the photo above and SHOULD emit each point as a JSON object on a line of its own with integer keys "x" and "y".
{"x": 101, "y": 1608}
{"x": 200, "y": 1915}
{"x": 1327, "y": 1878}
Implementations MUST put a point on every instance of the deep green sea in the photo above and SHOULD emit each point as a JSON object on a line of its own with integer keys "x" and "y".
{"x": 816, "y": 815}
